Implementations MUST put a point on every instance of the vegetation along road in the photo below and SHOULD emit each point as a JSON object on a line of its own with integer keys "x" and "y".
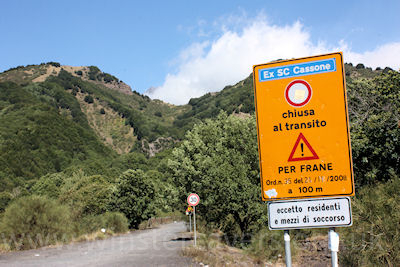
{"x": 156, "y": 247}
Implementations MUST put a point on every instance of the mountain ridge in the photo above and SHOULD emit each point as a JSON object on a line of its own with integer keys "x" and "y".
{"x": 39, "y": 73}
{"x": 123, "y": 123}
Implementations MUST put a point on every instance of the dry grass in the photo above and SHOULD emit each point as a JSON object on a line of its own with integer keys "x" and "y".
{"x": 221, "y": 255}
{"x": 154, "y": 222}
{"x": 4, "y": 248}
{"x": 110, "y": 127}
{"x": 98, "y": 235}
{"x": 212, "y": 252}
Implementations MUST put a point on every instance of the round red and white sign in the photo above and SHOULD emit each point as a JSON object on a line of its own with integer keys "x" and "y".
{"x": 193, "y": 199}
{"x": 298, "y": 93}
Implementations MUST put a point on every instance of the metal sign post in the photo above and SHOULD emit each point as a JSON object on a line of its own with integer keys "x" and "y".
{"x": 288, "y": 253}
{"x": 190, "y": 222}
{"x": 193, "y": 200}
{"x": 194, "y": 225}
{"x": 334, "y": 246}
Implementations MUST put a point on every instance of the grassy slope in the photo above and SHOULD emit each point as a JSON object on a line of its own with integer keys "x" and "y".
{"x": 35, "y": 139}
{"x": 131, "y": 117}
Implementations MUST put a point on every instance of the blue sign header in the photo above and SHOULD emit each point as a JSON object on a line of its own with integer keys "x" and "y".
{"x": 302, "y": 69}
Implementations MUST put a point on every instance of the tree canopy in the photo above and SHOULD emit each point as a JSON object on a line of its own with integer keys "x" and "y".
{"x": 218, "y": 160}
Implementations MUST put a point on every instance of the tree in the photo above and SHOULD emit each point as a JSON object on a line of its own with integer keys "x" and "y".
{"x": 134, "y": 196}
{"x": 87, "y": 195}
{"x": 374, "y": 111}
{"x": 360, "y": 66}
{"x": 166, "y": 194}
{"x": 218, "y": 160}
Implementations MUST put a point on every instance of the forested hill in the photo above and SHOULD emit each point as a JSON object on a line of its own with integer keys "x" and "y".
{"x": 55, "y": 116}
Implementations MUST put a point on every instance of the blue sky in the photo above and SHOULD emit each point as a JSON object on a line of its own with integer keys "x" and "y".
{"x": 187, "y": 48}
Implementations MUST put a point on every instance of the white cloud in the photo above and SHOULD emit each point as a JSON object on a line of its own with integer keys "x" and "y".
{"x": 387, "y": 55}
{"x": 209, "y": 66}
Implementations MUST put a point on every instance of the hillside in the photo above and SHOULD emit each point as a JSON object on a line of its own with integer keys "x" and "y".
{"x": 99, "y": 116}
{"x": 39, "y": 136}
{"x": 56, "y": 117}
{"x": 122, "y": 119}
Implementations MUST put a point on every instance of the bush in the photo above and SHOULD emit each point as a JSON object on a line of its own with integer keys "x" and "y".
{"x": 89, "y": 224}
{"x": 386, "y": 70}
{"x": 93, "y": 71}
{"x": 89, "y": 99}
{"x": 374, "y": 238}
{"x": 35, "y": 221}
{"x": 54, "y": 64}
{"x": 116, "y": 222}
{"x": 86, "y": 195}
{"x": 49, "y": 185}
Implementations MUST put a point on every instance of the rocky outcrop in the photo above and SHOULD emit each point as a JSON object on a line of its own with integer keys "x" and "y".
{"x": 157, "y": 146}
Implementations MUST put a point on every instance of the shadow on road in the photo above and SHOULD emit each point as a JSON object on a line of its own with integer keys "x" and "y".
{"x": 182, "y": 239}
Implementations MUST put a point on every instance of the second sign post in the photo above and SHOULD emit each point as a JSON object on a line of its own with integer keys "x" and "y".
{"x": 193, "y": 200}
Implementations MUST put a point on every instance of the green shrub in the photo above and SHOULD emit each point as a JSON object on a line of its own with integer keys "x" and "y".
{"x": 86, "y": 195}
{"x": 49, "y": 185}
{"x": 93, "y": 71}
{"x": 89, "y": 224}
{"x": 89, "y": 99}
{"x": 35, "y": 221}
{"x": 374, "y": 238}
{"x": 54, "y": 64}
{"x": 108, "y": 78}
{"x": 116, "y": 222}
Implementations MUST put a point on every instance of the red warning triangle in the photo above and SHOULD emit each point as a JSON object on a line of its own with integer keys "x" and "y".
{"x": 301, "y": 152}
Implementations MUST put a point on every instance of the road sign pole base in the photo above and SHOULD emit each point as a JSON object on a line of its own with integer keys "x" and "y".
{"x": 334, "y": 246}
{"x": 288, "y": 254}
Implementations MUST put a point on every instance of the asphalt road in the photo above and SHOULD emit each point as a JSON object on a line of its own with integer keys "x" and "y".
{"x": 155, "y": 247}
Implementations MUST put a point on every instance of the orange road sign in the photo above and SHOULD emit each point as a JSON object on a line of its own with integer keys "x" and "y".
{"x": 303, "y": 131}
